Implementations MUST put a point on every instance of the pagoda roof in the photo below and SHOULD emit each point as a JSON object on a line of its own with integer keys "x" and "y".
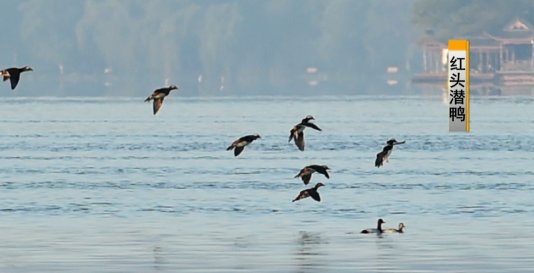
{"x": 516, "y": 31}
{"x": 484, "y": 41}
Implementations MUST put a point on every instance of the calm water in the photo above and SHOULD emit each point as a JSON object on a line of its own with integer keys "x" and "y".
{"x": 96, "y": 185}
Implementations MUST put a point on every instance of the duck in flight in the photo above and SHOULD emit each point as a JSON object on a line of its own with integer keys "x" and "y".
{"x": 306, "y": 172}
{"x": 241, "y": 142}
{"x": 386, "y": 152}
{"x": 377, "y": 230}
{"x": 13, "y": 74}
{"x": 311, "y": 192}
{"x": 158, "y": 95}
{"x": 297, "y": 132}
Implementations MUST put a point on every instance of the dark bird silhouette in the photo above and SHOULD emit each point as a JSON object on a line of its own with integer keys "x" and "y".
{"x": 158, "y": 95}
{"x": 310, "y": 192}
{"x": 297, "y": 132}
{"x": 306, "y": 172}
{"x": 240, "y": 143}
{"x": 386, "y": 152}
{"x": 377, "y": 230}
{"x": 13, "y": 74}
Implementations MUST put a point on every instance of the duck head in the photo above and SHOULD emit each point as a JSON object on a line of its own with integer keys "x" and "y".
{"x": 394, "y": 142}
{"x": 308, "y": 118}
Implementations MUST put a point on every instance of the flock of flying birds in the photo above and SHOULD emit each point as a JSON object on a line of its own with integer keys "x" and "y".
{"x": 296, "y": 135}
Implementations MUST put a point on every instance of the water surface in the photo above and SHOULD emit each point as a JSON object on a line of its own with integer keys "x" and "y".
{"x": 99, "y": 185}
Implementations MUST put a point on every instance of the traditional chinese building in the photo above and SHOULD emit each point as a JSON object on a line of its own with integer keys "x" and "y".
{"x": 501, "y": 62}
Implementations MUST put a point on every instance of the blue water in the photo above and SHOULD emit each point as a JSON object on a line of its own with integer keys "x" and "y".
{"x": 102, "y": 185}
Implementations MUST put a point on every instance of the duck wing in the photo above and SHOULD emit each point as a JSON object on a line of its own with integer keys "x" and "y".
{"x": 320, "y": 169}
{"x": 14, "y": 79}
{"x": 312, "y": 125}
{"x": 306, "y": 178}
{"x": 293, "y": 134}
{"x": 315, "y": 195}
{"x": 299, "y": 141}
{"x": 305, "y": 175}
{"x": 238, "y": 150}
{"x": 379, "y": 159}
{"x": 158, "y": 102}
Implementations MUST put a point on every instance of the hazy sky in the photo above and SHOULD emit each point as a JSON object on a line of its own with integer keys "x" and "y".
{"x": 247, "y": 47}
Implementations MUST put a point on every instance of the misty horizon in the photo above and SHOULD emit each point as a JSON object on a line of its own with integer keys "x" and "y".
{"x": 232, "y": 47}
{"x": 129, "y": 48}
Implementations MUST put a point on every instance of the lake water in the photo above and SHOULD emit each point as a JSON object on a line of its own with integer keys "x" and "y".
{"x": 102, "y": 185}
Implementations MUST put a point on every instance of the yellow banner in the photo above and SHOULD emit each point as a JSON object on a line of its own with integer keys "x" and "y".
{"x": 458, "y": 85}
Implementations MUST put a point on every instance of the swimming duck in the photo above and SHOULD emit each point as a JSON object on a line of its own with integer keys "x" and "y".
{"x": 306, "y": 172}
{"x": 395, "y": 230}
{"x": 386, "y": 152}
{"x": 297, "y": 132}
{"x": 241, "y": 142}
{"x": 13, "y": 74}
{"x": 310, "y": 192}
{"x": 377, "y": 230}
{"x": 158, "y": 95}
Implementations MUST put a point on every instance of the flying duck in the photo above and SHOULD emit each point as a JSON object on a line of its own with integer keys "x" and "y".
{"x": 395, "y": 230}
{"x": 306, "y": 172}
{"x": 310, "y": 192}
{"x": 377, "y": 230}
{"x": 297, "y": 132}
{"x": 386, "y": 152}
{"x": 13, "y": 74}
{"x": 158, "y": 95}
{"x": 241, "y": 142}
